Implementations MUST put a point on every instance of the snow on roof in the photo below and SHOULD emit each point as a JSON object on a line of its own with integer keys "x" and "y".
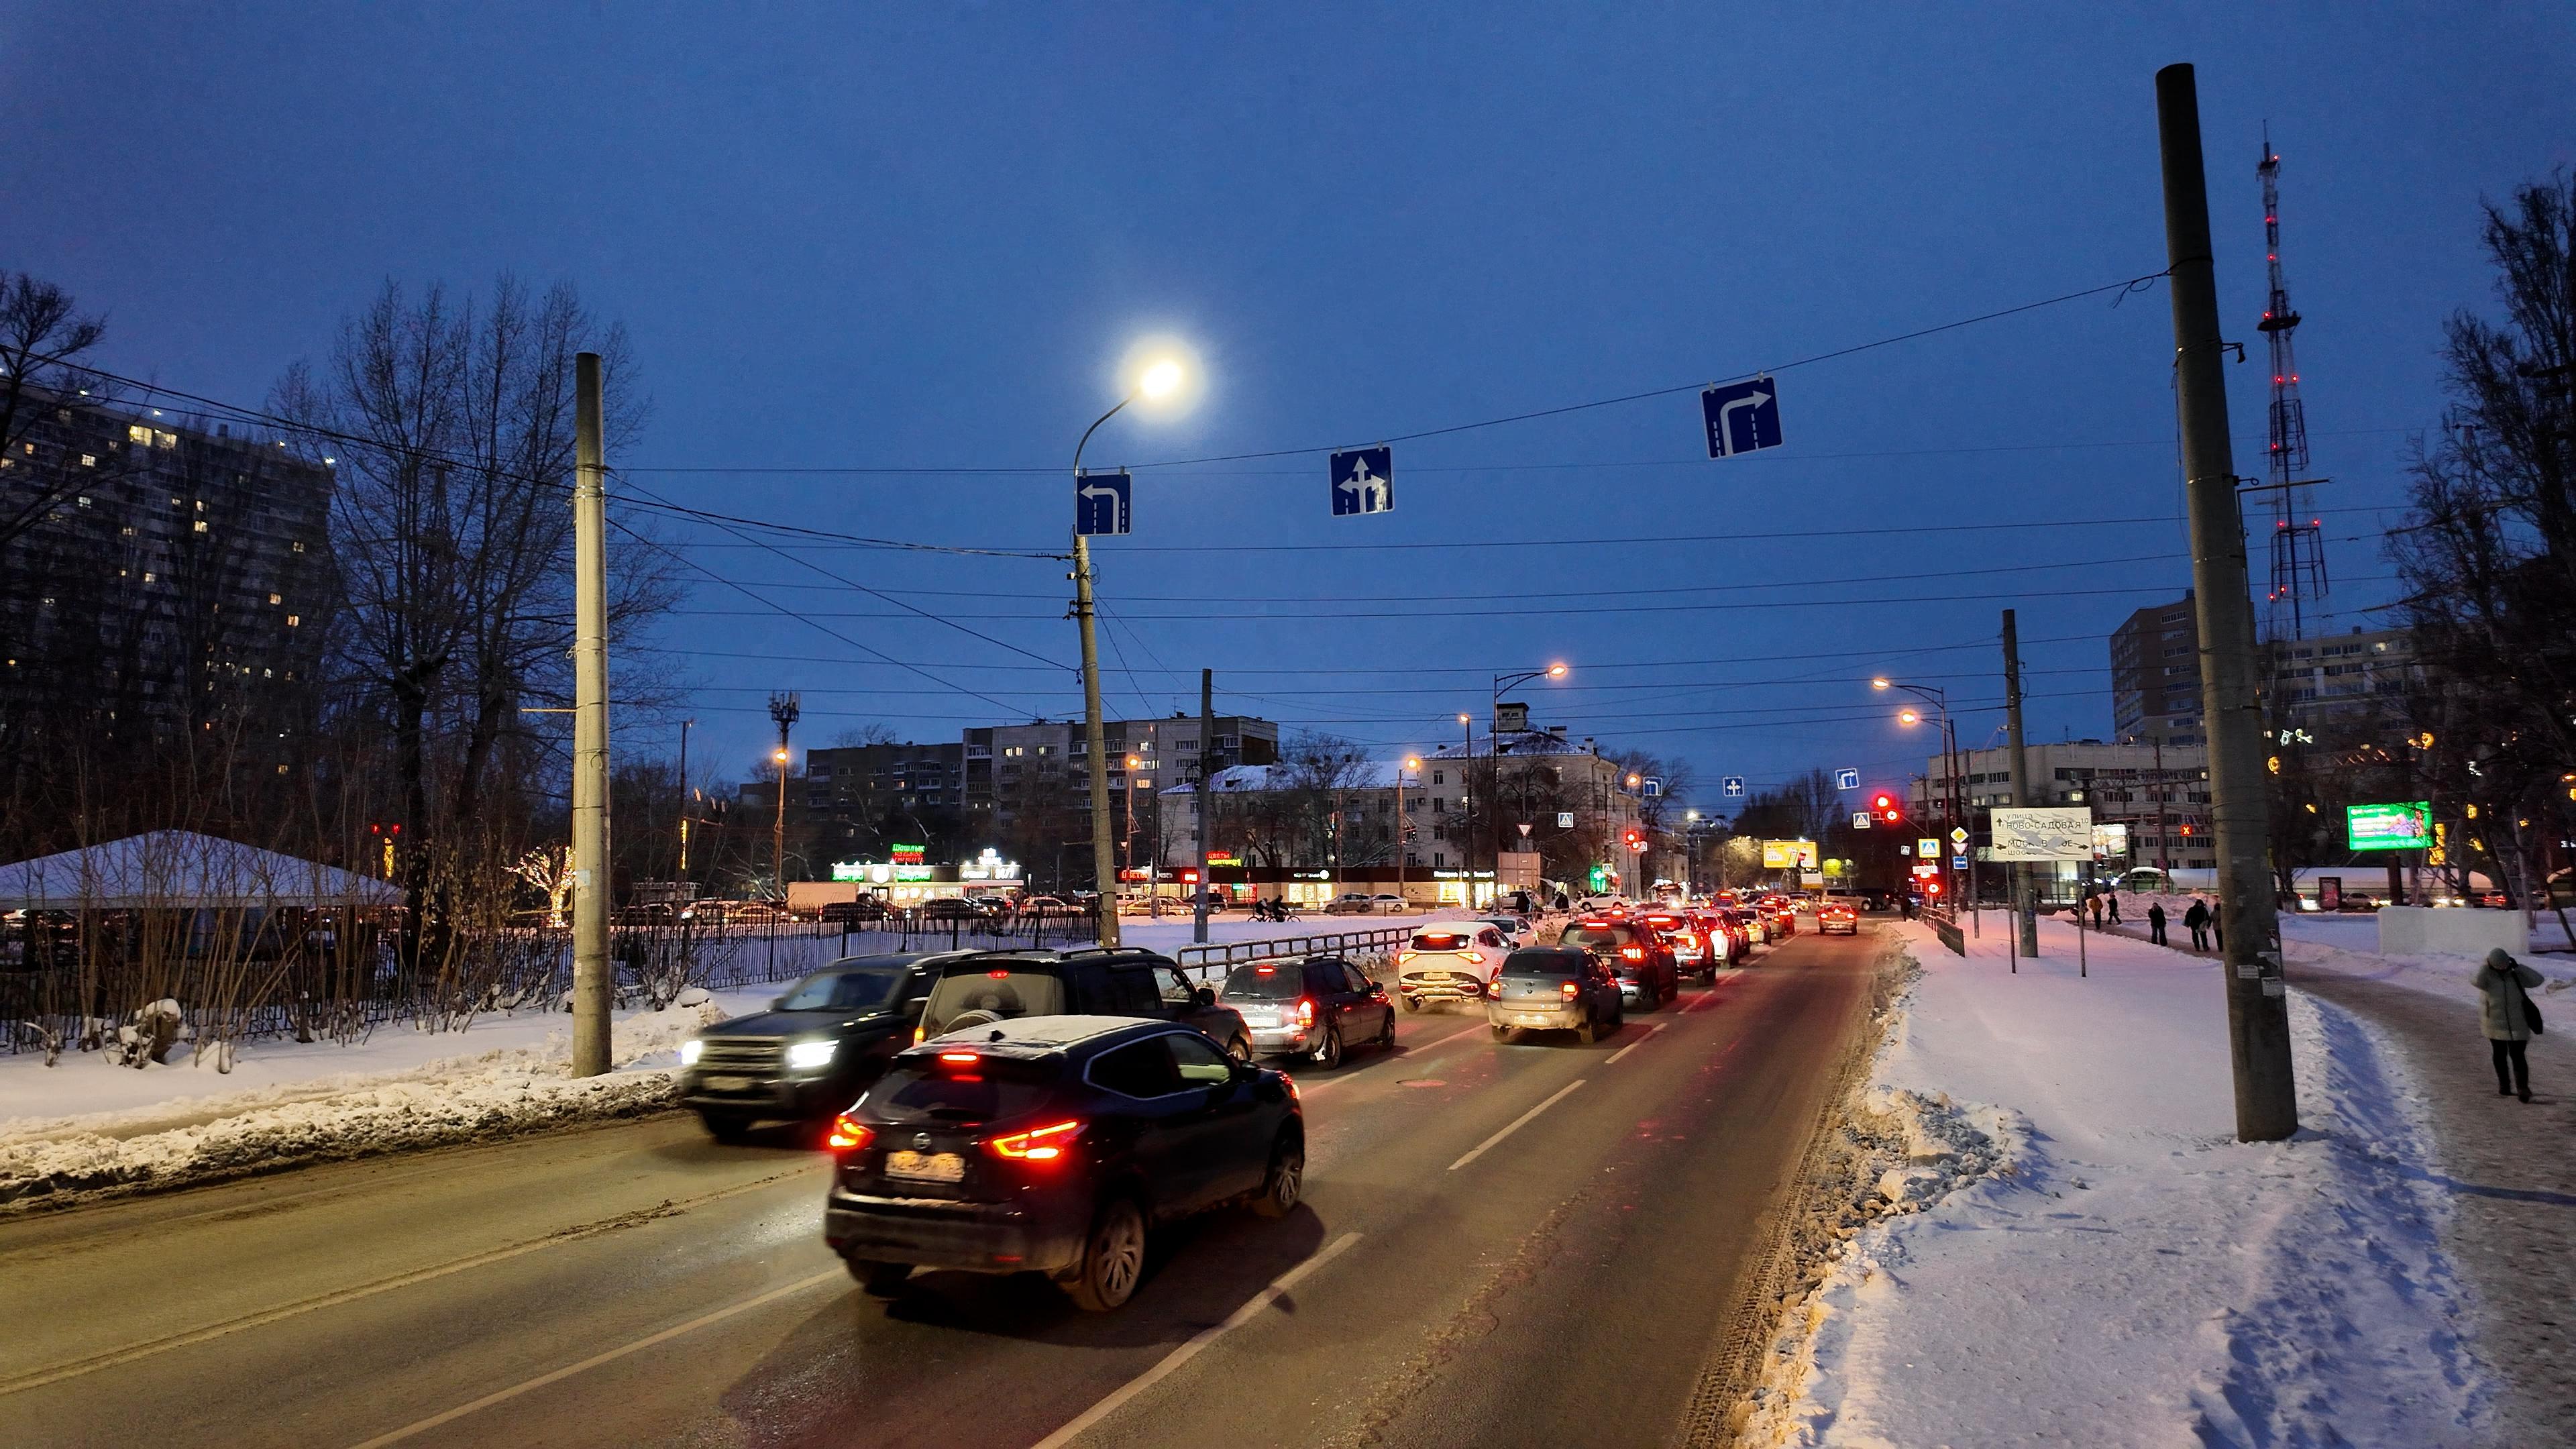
{"x": 1246, "y": 779}
{"x": 176, "y": 868}
{"x": 1516, "y": 742}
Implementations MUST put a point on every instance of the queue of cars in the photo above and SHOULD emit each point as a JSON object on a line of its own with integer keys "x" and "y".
{"x": 1036, "y": 1111}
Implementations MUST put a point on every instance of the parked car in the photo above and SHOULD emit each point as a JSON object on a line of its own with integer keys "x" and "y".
{"x": 1388, "y": 904}
{"x": 816, "y": 1047}
{"x": 1449, "y": 961}
{"x": 1350, "y": 903}
{"x": 865, "y": 908}
{"x": 1555, "y": 988}
{"x": 1313, "y": 1008}
{"x": 1837, "y": 916}
{"x": 1640, "y": 961}
{"x": 1054, "y": 1144}
{"x": 957, "y": 908}
{"x": 986, "y": 988}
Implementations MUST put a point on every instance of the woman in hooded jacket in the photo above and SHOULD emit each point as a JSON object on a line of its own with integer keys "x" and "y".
{"x": 2504, "y": 1014}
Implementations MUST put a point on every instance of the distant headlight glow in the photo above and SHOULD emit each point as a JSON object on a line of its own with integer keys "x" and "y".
{"x": 689, "y": 1051}
{"x": 808, "y": 1054}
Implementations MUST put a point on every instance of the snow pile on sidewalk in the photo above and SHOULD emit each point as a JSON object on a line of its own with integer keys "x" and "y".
{"x": 184, "y": 1137}
{"x": 2129, "y": 1273}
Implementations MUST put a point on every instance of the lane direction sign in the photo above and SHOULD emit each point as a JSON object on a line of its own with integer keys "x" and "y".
{"x": 1846, "y": 779}
{"x": 1741, "y": 416}
{"x": 1364, "y": 481}
{"x": 1100, "y": 502}
{"x": 1731, "y": 786}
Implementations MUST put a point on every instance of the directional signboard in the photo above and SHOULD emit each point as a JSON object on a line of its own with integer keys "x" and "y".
{"x": 1364, "y": 481}
{"x": 2043, "y": 833}
{"x": 1741, "y": 417}
{"x": 1730, "y": 786}
{"x": 1846, "y": 779}
{"x": 1100, "y": 502}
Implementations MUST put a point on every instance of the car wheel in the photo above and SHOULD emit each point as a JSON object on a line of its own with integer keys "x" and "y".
{"x": 726, "y": 1126}
{"x": 1413, "y": 1003}
{"x": 1386, "y": 1032}
{"x": 1329, "y": 1055}
{"x": 1113, "y": 1258}
{"x": 1502, "y": 1033}
{"x": 1286, "y": 1180}
{"x": 1589, "y": 1032}
{"x": 878, "y": 1280}
{"x": 1240, "y": 1050}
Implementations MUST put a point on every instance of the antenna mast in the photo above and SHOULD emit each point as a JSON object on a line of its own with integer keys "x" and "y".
{"x": 2298, "y": 540}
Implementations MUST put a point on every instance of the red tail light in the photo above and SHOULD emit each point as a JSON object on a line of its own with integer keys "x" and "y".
{"x": 1306, "y": 1011}
{"x": 959, "y": 1059}
{"x": 1043, "y": 1144}
{"x": 846, "y": 1135}
{"x": 1572, "y": 989}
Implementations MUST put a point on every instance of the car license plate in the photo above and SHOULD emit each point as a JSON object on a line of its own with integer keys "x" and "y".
{"x": 1532, "y": 1018}
{"x": 1261, "y": 1018}
{"x": 728, "y": 1084}
{"x": 926, "y": 1166}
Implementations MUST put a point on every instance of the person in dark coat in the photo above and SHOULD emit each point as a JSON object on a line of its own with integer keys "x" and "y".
{"x": 2156, "y": 923}
{"x": 2196, "y": 921}
{"x": 2113, "y": 899}
{"x": 2504, "y": 1015}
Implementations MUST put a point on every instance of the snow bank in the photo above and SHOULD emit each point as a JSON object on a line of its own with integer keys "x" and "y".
{"x": 307, "y": 1112}
{"x": 2095, "y": 1260}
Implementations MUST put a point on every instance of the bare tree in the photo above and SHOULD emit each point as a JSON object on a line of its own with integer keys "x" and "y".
{"x": 41, "y": 330}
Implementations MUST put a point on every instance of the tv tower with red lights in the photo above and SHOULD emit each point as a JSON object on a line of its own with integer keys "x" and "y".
{"x": 2298, "y": 538}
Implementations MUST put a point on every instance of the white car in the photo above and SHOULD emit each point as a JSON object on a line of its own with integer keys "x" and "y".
{"x": 1449, "y": 961}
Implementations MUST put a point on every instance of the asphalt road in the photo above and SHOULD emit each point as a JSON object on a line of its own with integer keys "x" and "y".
{"x": 1535, "y": 1244}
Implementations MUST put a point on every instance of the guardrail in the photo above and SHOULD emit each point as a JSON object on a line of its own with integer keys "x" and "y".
{"x": 1216, "y": 956}
{"x": 1945, "y": 924}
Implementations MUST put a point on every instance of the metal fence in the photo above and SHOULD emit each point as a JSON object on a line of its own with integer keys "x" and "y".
{"x": 1213, "y": 959}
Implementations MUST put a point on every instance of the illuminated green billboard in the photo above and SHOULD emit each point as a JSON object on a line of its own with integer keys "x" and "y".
{"x": 2404, "y": 826}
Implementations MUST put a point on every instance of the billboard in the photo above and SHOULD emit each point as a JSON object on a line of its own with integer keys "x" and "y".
{"x": 2050, "y": 832}
{"x": 1785, "y": 854}
{"x": 2110, "y": 841}
{"x": 2407, "y": 825}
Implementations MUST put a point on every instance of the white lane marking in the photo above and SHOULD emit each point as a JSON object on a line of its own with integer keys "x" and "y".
{"x": 333, "y": 1299}
{"x": 1706, "y": 1000}
{"x": 1308, "y": 1089}
{"x": 1172, "y": 1361}
{"x": 1632, "y": 1046}
{"x": 1517, "y": 1124}
{"x": 567, "y": 1371}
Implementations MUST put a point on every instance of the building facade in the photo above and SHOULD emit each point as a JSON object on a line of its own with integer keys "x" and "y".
{"x": 2158, "y": 795}
{"x": 2155, "y": 676}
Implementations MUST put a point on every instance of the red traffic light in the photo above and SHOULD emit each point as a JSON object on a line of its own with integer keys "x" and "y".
{"x": 1932, "y": 888}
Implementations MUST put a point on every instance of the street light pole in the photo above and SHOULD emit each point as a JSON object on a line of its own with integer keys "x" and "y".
{"x": 1501, "y": 683}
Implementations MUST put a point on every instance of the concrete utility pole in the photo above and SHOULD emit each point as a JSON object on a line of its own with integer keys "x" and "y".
{"x": 684, "y": 797}
{"x": 1207, "y": 781}
{"x": 1104, "y": 853}
{"x": 783, "y": 708}
{"x": 2016, "y": 874}
{"x": 2258, "y": 1018}
{"x": 590, "y": 979}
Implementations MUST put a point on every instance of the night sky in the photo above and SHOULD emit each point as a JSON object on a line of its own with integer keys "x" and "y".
{"x": 912, "y": 243}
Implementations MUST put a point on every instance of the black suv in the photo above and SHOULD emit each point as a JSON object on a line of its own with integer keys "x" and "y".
{"x": 1635, "y": 954}
{"x": 809, "y": 1055}
{"x": 1050, "y": 1145}
{"x": 983, "y": 988}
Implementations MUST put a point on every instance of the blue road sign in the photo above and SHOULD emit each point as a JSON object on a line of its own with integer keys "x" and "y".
{"x": 1364, "y": 481}
{"x": 1731, "y": 786}
{"x": 1100, "y": 502}
{"x": 1654, "y": 787}
{"x": 1958, "y": 862}
{"x": 1846, "y": 779}
{"x": 1741, "y": 416}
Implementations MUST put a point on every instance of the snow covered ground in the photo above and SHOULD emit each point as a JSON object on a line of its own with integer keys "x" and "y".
{"x": 2108, "y": 1265}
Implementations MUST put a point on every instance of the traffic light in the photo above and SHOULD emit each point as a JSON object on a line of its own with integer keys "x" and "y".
{"x": 1931, "y": 888}
{"x": 1885, "y": 808}
{"x": 1633, "y": 838}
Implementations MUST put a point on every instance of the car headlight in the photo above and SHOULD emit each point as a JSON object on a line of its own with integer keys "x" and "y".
{"x": 689, "y": 1051}
{"x": 806, "y": 1054}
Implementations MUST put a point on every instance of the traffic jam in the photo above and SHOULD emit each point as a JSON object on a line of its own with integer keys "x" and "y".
{"x": 1044, "y": 1111}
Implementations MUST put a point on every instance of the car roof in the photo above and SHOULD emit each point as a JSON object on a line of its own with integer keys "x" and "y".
{"x": 1028, "y": 956}
{"x": 891, "y": 958}
{"x": 1037, "y": 1036}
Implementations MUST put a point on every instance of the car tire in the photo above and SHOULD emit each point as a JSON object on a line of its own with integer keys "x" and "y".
{"x": 726, "y": 1127}
{"x": 1286, "y": 1179}
{"x": 878, "y": 1280}
{"x": 1113, "y": 1258}
{"x": 1502, "y": 1034}
{"x": 1386, "y": 1033}
{"x": 1240, "y": 1049}
{"x": 1329, "y": 1055}
{"x": 1413, "y": 1003}
{"x": 1589, "y": 1032}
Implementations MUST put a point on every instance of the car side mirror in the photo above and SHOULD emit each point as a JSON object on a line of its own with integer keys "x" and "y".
{"x": 778, "y": 1003}
{"x": 1203, "y": 996}
{"x": 916, "y": 1006}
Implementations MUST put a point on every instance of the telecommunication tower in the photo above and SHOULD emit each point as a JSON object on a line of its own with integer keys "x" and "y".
{"x": 2298, "y": 539}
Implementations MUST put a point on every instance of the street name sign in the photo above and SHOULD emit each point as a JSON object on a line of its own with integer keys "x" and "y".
{"x": 1742, "y": 417}
{"x": 1100, "y": 502}
{"x": 2046, "y": 832}
{"x": 1364, "y": 481}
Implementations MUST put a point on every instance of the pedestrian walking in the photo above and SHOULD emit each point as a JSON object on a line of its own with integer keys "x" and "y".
{"x": 2506, "y": 1015}
{"x": 2114, "y": 898}
{"x": 2196, "y": 921}
{"x": 2097, "y": 913}
{"x": 2156, "y": 923}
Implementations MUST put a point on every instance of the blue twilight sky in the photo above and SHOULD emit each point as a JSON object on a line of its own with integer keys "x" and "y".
{"x": 921, "y": 236}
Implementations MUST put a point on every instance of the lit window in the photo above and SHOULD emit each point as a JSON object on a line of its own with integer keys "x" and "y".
{"x": 83, "y": 500}
{"x": 276, "y": 599}
{"x": 149, "y": 576}
{"x": 201, "y": 505}
{"x": 165, "y": 440}
{"x": 292, "y": 621}
{"x": 299, "y": 545}
{"x": 127, "y": 531}
{"x": 89, "y": 460}
{"x": 201, "y": 525}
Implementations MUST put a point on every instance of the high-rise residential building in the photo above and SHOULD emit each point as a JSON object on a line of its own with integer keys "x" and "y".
{"x": 2155, "y": 676}
{"x": 158, "y": 577}
{"x": 2342, "y": 690}
{"x": 1018, "y": 770}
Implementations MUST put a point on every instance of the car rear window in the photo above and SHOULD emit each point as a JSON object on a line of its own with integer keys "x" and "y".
{"x": 1541, "y": 965}
{"x": 1000, "y": 994}
{"x": 1439, "y": 941}
{"x": 1270, "y": 982}
{"x": 929, "y": 1089}
{"x": 1590, "y": 936}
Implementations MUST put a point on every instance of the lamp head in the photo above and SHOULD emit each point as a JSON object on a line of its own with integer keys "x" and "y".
{"x": 1878, "y": 684}
{"x": 1413, "y": 762}
{"x": 1160, "y": 379}
{"x": 1556, "y": 671}
{"x": 1908, "y": 717}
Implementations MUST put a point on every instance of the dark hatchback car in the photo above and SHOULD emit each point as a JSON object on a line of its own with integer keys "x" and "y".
{"x": 1315, "y": 1008}
{"x": 1635, "y": 955}
{"x": 1052, "y": 1145}
{"x": 1554, "y": 988}
{"x": 808, "y": 1056}
{"x": 983, "y": 988}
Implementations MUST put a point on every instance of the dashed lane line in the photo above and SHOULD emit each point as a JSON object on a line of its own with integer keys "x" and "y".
{"x": 1632, "y": 1046}
{"x": 1517, "y": 1124}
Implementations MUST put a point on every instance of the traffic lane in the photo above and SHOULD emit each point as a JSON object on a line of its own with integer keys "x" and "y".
{"x": 1567, "y": 1286}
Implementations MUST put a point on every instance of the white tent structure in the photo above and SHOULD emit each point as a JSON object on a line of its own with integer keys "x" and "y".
{"x": 182, "y": 870}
